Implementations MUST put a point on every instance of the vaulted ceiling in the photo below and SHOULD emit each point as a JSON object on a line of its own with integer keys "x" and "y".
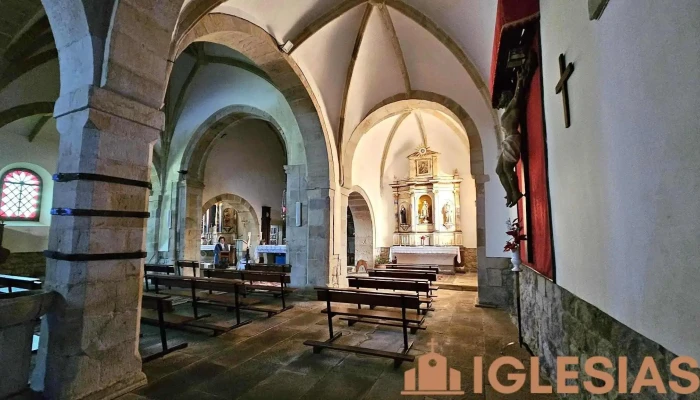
{"x": 357, "y": 53}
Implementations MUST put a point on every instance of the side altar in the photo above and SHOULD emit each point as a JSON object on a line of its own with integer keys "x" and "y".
{"x": 426, "y": 204}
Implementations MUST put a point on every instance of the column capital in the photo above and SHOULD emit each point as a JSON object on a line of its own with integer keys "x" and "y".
{"x": 109, "y": 102}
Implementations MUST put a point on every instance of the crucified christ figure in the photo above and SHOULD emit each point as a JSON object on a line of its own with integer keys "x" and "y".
{"x": 514, "y": 104}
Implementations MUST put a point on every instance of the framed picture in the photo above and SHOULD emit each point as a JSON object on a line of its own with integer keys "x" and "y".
{"x": 423, "y": 167}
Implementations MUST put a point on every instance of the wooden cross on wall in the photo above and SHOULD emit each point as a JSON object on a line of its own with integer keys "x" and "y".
{"x": 565, "y": 71}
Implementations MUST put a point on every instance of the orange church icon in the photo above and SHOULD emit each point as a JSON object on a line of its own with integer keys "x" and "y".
{"x": 432, "y": 376}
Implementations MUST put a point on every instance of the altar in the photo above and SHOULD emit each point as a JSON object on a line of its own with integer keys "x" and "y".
{"x": 443, "y": 256}
{"x": 271, "y": 252}
{"x": 427, "y": 211}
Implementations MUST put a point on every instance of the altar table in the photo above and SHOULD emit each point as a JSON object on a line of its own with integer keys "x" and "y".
{"x": 440, "y": 255}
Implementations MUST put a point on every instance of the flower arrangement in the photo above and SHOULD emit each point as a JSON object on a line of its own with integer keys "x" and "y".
{"x": 514, "y": 229}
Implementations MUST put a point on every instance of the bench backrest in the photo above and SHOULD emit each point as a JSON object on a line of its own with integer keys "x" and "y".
{"x": 414, "y": 267}
{"x": 150, "y": 301}
{"x": 410, "y": 274}
{"x": 277, "y": 277}
{"x": 187, "y": 264}
{"x": 286, "y": 268}
{"x": 221, "y": 285}
{"x": 371, "y": 283}
{"x": 167, "y": 269}
{"x": 20, "y": 282}
{"x": 409, "y": 301}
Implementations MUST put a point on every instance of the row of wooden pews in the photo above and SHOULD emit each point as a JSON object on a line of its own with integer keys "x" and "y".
{"x": 214, "y": 287}
{"x": 405, "y": 294}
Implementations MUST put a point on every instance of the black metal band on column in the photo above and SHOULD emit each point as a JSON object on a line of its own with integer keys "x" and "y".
{"x": 80, "y": 212}
{"x": 57, "y": 255}
{"x": 83, "y": 176}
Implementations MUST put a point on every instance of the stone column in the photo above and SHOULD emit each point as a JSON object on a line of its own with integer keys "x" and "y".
{"x": 297, "y": 236}
{"x": 89, "y": 341}
{"x": 343, "y": 230}
{"x": 189, "y": 218}
{"x": 319, "y": 242}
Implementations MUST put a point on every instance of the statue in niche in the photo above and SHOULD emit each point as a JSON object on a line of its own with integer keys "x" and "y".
{"x": 403, "y": 218}
{"x": 514, "y": 104}
{"x": 447, "y": 214}
{"x": 425, "y": 213}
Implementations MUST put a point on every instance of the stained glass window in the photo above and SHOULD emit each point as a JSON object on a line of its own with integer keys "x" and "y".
{"x": 20, "y": 198}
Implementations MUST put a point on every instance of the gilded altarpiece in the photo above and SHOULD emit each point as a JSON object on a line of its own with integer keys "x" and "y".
{"x": 427, "y": 204}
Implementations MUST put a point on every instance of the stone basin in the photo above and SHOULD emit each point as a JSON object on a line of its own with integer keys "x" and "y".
{"x": 19, "y": 312}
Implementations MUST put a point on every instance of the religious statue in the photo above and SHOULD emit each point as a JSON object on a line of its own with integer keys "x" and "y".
{"x": 447, "y": 215}
{"x": 514, "y": 104}
{"x": 403, "y": 215}
{"x": 425, "y": 212}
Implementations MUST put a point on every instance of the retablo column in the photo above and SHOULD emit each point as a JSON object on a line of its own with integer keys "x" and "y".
{"x": 89, "y": 341}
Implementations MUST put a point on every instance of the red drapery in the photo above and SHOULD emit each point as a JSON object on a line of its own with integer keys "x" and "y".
{"x": 512, "y": 17}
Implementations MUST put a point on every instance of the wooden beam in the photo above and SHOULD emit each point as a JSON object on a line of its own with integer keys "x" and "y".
{"x": 394, "y": 128}
{"x": 348, "y": 79}
{"x": 324, "y": 20}
{"x": 389, "y": 26}
{"x": 25, "y": 110}
{"x": 19, "y": 68}
{"x": 38, "y": 126}
{"x": 33, "y": 38}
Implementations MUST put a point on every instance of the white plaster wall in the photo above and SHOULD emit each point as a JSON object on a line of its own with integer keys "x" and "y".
{"x": 248, "y": 162}
{"x": 624, "y": 177}
{"x": 454, "y": 154}
{"x": 40, "y": 156}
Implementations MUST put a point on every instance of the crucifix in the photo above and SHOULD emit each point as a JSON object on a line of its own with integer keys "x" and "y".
{"x": 565, "y": 71}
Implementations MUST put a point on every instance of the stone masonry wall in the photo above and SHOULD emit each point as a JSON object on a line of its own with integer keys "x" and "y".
{"x": 557, "y": 323}
{"x": 25, "y": 264}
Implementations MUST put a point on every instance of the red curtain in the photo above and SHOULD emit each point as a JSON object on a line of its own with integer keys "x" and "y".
{"x": 533, "y": 210}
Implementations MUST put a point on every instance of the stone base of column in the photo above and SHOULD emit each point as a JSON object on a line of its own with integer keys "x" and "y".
{"x": 119, "y": 389}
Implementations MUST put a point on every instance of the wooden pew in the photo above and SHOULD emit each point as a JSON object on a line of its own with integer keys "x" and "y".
{"x": 195, "y": 284}
{"x": 360, "y": 282}
{"x": 285, "y": 268}
{"x": 407, "y": 318}
{"x": 161, "y": 304}
{"x": 433, "y": 268}
{"x": 407, "y": 275}
{"x": 167, "y": 269}
{"x": 19, "y": 282}
{"x": 182, "y": 264}
{"x": 256, "y": 276}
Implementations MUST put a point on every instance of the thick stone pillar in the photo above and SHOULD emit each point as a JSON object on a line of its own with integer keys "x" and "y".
{"x": 89, "y": 340}
{"x": 342, "y": 231}
{"x": 190, "y": 191}
{"x": 297, "y": 236}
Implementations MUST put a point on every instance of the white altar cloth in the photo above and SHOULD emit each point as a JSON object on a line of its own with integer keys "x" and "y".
{"x": 270, "y": 249}
{"x": 437, "y": 250}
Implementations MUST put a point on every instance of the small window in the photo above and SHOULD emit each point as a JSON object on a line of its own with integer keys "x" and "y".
{"x": 21, "y": 195}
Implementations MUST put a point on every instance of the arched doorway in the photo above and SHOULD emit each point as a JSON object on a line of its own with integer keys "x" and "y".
{"x": 246, "y": 222}
{"x": 360, "y": 229}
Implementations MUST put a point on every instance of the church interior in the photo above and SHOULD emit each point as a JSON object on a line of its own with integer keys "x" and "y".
{"x": 349, "y": 199}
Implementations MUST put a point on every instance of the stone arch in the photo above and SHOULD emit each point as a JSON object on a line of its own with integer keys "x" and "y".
{"x": 398, "y": 104}
{"x": 436, "y": 102}
{"x": 200, "y": 144}
{"x": 243, "y": 207}
{"x": 257, "y": 45}
{"x": 365, "y": 231}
